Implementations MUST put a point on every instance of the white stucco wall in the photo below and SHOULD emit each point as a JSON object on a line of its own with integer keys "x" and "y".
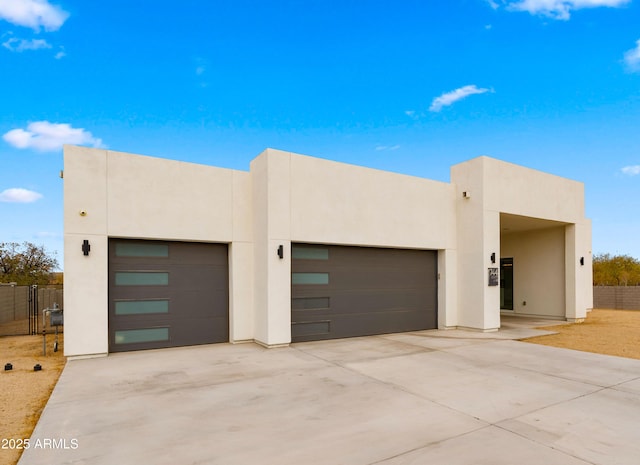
{"x": 305, "y": 199}
{"x": 272, "y": 276}
{"x": 287, "y": 198}
{"x": 474, "y": 247}
{"x": 134, "y": 196}
{"x": 579, "y": 277}
{"x": 499, "y": 187}
{"x": 156, "y": 198}
{"x": 337, "y": 203}
{"x": 241, "y": 260}
{"x": 515, "y": 189}
{"x": 86, "y": 279}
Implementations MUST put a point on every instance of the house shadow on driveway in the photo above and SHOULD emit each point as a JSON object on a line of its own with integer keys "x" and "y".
{"x": 450, "y": 397}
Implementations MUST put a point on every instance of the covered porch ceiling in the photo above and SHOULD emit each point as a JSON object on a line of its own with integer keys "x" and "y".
{"x": 510, "y": 224}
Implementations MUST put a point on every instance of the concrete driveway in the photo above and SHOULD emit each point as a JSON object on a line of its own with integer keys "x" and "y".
{"x": 449, "y": 397}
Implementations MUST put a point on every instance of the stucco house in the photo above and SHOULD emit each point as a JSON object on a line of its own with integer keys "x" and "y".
{"x": 161, "y": 253}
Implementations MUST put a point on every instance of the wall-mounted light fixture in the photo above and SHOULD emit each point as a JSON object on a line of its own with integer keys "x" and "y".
{"x": 85, "y": 247}
{"x": 582, "y": 261}
{"x": 281, "y": 251}
{"x": 493, "y": 257}
{"x": 466, "y": 195}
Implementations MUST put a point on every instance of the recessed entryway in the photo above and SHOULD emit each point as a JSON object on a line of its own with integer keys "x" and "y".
{"x": 532, "y": 266}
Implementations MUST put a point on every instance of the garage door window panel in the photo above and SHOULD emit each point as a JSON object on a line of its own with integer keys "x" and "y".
{"x": 141, "y": 249}
{"x": 136, "y": 336}
{"x": 310, "y": 278}
{"x": 309, "y": 253}
{"x": 141, "y": 307}
{"x": 142, "y": 278}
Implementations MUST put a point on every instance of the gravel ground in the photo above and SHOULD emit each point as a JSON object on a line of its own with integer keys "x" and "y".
{"x": 23, "y": 391}
{"x": 609, "y": 332}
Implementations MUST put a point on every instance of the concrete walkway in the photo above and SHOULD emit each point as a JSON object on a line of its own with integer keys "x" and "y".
{"x": 450, "y": 397}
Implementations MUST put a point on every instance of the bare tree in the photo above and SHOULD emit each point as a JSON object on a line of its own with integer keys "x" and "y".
{"x": 25, "y": 263}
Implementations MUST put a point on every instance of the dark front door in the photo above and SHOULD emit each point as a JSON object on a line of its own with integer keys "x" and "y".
{"x": 342, "y": 291}
{"x": 167, "y": 294}
{"x": 506, "y": 283}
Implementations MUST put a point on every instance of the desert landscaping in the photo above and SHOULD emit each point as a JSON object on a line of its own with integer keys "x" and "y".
{"x": 24, "y": 391}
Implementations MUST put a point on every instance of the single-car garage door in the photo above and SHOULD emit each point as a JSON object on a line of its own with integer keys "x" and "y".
{"x": 342, "y": 291}
{"x": 167, "y": 294}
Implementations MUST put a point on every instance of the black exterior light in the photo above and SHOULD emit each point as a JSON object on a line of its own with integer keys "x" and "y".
{"x": 85, "y": 247}
{"x": 582, "y": 261}
{"x": 493, "y": 257}
{"x": 281, "y": 252}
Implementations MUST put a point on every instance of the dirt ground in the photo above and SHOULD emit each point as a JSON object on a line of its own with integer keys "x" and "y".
{"x": 23, "y": 391}
{"x": 610, "y": 332}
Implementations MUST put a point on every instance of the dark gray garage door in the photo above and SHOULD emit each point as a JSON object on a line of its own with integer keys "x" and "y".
{"x": 356, "y": 291}
{"x": 167, "y": 294}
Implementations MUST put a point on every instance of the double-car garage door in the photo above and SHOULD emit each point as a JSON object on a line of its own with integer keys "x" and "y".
{"x": 342, "y": 291}
{"x": 167, "y": 294}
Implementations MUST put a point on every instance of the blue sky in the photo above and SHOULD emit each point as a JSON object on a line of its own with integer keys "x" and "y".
{"x": 407, "y": 86}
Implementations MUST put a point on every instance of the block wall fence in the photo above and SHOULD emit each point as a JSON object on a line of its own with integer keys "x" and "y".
{"x": 617, "y": 297}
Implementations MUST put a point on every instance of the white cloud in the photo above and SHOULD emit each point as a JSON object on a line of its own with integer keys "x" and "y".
{"x": 632, "y": 57}
{"x": 557, "y": 9}
{"x": 380, "y": 148}
{"x": 632, "y": 170}
{"x": 413, "y": 114}
{"x": 49, "y": 137}
{"x": 19, "y": 195}
{"x": 20, "y": 45}
{"x": 450, "y": 98}
{"x": 34, "y": 14}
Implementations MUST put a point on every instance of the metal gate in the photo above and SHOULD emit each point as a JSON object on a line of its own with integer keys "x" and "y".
{"x": 33, "y": 309}
{"x": 21, "y": 307}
